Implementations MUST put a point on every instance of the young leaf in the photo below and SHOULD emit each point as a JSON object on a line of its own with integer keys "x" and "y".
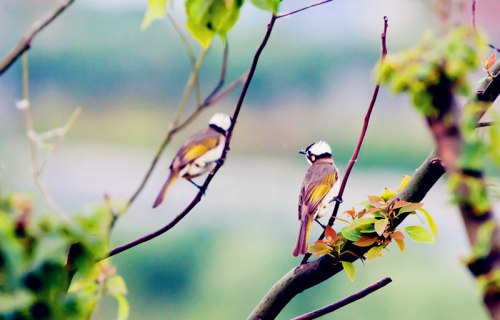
{"x": 207, "y": 18}
{"x": 401, "y": 244}
{"x": 269, "y": 5}
{"x": 368, "y": 229}
{"x": 361, "y": 222}
{"x": 380, "y": 226}
{"x": 398, "y": 235}
{"x": 400, "y": 203}
{"x": 330, "y": 234}
{"x": 490, "y": 61}
{"x": 374, "y": 252}
{"x": 325, "y": 251}
{"x": 351, "y": 212}
{"x": 404, "y": 182}
{"x": 387, "y": 194}
{"x": 419, "y": 234}
{"x": 156, "y": 10}
{"x": 430, "y": 221}
{"x": 350, "y": 269}
{"x": 351, "y": 235}
{"x": 410, "y": 207}
{"x": 318, "y": 247}
{"x": 377, "y": 202}
{"x": 115, "y": 285}
{"x": 365, "y": 241}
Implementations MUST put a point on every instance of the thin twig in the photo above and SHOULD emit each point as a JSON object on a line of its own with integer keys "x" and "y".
{"x": 25, "y": 106}
{"x": 25, "y": 42}
{"x": 344, "y": 302}
{"x": 222, "y": 74}
{"x": 360, "y": 140}
{"x": 302, "y": 9}
{"x": 220, "y": 163}
{"x": 174, "y": 129}
{"x": 190, "y": 51}
{"x": 474, "y": 25}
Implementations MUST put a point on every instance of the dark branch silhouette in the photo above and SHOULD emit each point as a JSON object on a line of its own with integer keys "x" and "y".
{"x": 302, "y": 9}
{"x": 344, "y": 302}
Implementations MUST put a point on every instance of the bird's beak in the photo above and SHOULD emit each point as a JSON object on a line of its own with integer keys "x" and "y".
{"x": 302, "y": 152}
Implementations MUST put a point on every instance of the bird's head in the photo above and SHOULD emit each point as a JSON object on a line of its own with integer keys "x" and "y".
{"x": 317, "y": 150}
{"x": 220, "y": 122}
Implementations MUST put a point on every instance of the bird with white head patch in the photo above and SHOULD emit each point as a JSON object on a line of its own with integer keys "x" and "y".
{"x": 199, "y": 154}
{"x": 317, "y": 192}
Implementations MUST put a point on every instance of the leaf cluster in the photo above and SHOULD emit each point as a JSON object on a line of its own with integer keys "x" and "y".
{"x": 373, "y": 227}
{"x": 430, "y": 63}
{"x": 36, "y": 271}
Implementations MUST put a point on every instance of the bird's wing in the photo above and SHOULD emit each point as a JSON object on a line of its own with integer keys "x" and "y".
{"x": 196, "y": 146}
{"x": 319, "y": 179}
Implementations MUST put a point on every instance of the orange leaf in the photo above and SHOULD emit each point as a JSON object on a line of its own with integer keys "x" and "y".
{"x": 401, "y": 245}
{"x": 330, "y": 234}
{"x": 491, "y": 60}
{"x": 321, "y": 252}
{"x": 397, "y": 235}
{"x": 400, "y": 204}
{"x": 351, "y": 212}
{"x": 365, "y": 241}
{"x": 376, "y": 201}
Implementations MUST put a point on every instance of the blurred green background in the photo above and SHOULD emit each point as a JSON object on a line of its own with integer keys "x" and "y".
{"x": 314, "y": 81}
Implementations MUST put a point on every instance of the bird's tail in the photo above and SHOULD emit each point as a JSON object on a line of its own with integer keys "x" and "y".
{"x": 302, "y": 242}
{"x": 164, "y": 189}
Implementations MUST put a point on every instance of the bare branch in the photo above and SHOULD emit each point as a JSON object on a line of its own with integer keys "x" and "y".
{"x": 220, "y": 163}
{"x": 302, "y": 9}
{"x": 222, "y": 75}
{"x": 474, "y": 25}
{"x": 344, "y": 302}
{"x": 25, "y": 42}
{"x": 360, "y": 141}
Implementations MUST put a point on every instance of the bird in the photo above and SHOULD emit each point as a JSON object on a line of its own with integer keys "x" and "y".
{"x": 199, "y": 153}
{"x": 317, "y": 192}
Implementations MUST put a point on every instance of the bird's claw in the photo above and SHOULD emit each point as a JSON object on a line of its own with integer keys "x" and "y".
{"x": 339, "y": 200}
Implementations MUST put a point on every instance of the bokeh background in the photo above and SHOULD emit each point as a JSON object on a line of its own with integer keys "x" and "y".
{"x": 314, "y": 81}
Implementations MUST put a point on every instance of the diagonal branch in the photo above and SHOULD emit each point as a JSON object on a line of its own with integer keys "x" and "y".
{"x": 25, "y": 42}
{"x": 360, "y": 141}
{"x": 344, "y": 302}
{"x": 310, "y": 274}
{"x": 302, "y": 9}
{"x": 220, "y": 163}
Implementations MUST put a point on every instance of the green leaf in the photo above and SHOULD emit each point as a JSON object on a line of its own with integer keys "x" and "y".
{"x": 380, "y": 226}
{"x": 269, "y": 5}
{"x": 115, "y": 285}
{"x": 206, "y": 18}
{"x": 419, "y": 234}
{"x": 368, "y": 229}
{"x": 317, "y": 247}
{"x": 387, "y": 194}
{"x": 123, "y": 307}
{"x": 156, "y": 10}
{"x": 351, "y": 235}
{"x": 361, "y": 222}
{"x": 430, "y": 221}
{"x": 410, "y": 207}
{"x": 374, "y": 252}
{"x": 404, "y": 182}
{"x": 350, "y": 269}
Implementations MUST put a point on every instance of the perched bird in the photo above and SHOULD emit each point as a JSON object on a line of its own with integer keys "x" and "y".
{"x": 317, "y": 193}
{"x": 199, "y": 154}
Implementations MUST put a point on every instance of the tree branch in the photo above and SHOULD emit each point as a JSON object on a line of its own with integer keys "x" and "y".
{"x": 25, "y": 42}
{"x": 220, "y": 163}
{"x": 312, "y": 273}
{"x": 344, "y": 302}
{"x": 360, "y": 142}
{"x": 302, "y": 9}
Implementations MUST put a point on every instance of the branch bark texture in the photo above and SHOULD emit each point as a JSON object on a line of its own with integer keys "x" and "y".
{"x": 25, "y": 43}
{"x": 310, "y": 274}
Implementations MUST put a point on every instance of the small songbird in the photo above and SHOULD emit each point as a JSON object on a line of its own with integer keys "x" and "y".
{"x": 199, "y": 154}
{"x": 318, "y": 192}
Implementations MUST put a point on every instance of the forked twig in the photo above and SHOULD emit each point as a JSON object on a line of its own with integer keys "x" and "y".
{"x": 220, "y": 163}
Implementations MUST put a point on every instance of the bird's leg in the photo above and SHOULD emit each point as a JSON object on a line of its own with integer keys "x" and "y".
{"x": 339, "y": 200}
{"x": 197, "y": 186}
{"x": 322, "y": 225}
